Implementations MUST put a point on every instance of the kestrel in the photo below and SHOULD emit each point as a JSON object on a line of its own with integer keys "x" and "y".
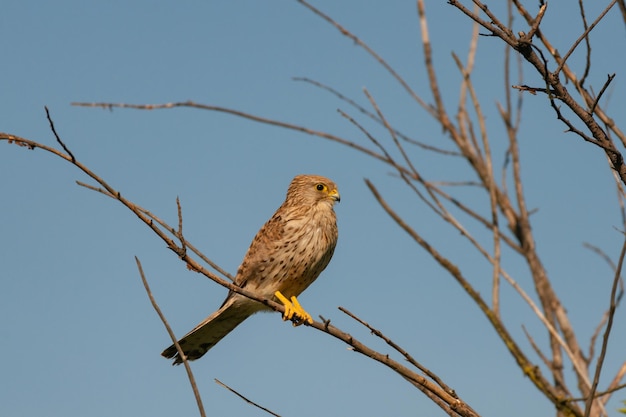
{"x": 284, "y": 258}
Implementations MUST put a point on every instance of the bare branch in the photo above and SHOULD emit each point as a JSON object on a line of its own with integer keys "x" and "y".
{"x": 406, "y": 158}
{"x": 600, "y": 394}
{"x": 571, "y": 75}
{"x": 605, "y": 316}
{"x": 559, "y": 380}
{"x": 587, "y": 44}
{"x": 532, "y": 55}
{"x": 450, "y": 404}
{"x": 372, "y": 116}
{"x": 489, "y": 183}
{"x": 583, "y": 36}
{"x": 403, "y": 352}
{"x": 370, "y": 51}
{"x": 171, "y": 230}
{"x": 494, "y": 25}
{"x": 615, "y": 383}
{"x": 179, "y": 232}
{"x": 470, "y": 137}
{"x": 537, "y": 21}
{"x": 192, "y": 264}
{"x": 604, "y": 87}
{"x": 170, "y": 332}
{"x": 529, "y": 369}
{"x": 607, "y": 331}
{"x": 439, "y": 112}
{"x": 56, "y": 135}
{"x": 241, "y": 114}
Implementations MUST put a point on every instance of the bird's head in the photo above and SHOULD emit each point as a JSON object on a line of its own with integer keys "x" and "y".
{"x": 311, "y": 190}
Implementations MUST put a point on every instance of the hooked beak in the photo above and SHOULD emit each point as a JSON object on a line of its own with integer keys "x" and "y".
{"x": 334, "y": 194}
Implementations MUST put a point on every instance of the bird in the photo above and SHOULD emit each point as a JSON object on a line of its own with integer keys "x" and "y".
{"x": 287, "y": 254}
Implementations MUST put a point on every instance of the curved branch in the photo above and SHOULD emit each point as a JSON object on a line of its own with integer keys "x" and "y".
{"x": 452, "y": 404}
{"x": 529, "y": 369}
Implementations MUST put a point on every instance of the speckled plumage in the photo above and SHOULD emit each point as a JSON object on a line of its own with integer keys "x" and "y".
{"x": 286, "y": 255}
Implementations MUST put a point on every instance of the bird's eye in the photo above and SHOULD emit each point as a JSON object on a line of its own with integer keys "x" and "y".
{"x": 320, "y": 187}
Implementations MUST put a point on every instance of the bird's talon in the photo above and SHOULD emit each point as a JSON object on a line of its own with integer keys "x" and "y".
{"x": 293, "y": 310}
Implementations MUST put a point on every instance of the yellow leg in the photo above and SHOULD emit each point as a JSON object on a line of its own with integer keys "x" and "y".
{"x": 293, "y": 310}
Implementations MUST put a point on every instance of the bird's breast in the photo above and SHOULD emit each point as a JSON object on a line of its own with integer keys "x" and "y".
{"x": 295, "y": 260}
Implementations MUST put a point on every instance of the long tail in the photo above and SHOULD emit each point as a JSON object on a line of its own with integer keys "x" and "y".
{"x": 212, "y": 329}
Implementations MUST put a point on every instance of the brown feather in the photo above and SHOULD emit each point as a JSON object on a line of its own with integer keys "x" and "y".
{"x": 286, "y": 255}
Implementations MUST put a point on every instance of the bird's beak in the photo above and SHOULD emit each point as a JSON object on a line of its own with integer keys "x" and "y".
{"x": 334, "y": 194}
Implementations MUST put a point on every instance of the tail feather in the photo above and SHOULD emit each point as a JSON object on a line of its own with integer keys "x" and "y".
{"x": 211, "y": 330}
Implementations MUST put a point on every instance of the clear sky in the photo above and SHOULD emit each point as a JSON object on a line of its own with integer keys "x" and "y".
{"x": 79, "y": 335}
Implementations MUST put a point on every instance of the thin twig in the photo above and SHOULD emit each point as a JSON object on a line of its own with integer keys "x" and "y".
{"x": 583, "y": 17}
{"x": 245, "y": 398}
{"x": 370, "y": 51}
{"x": 439, "y": 111}
{"x": 392, "y": 133}
{"x": 583, "y": 36}
{"x": 558, "y": 376}
{"x": 493, "y": 25}
{"x": 605, "y": 316}
{"x": 604, "y": 87}
{"x": 170, "y": 332}
{"x": 536, "y": 348}
{"x": 400, "y": 350}
{"x": 56, "y": 135}
{"x": 535, "y": 26}
{"x": 489, "y": 182}
{"x": 615, "y": 383}
{"x": 600, "y": 394}
{"x": 170, "y": 229}
{"x": 372, "y": 116}
{"x": 237, "y": 113}
{"x": 179, "y": 232}
{"x": 607, "y": 331}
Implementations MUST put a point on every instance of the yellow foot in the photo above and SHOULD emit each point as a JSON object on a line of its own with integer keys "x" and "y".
{"x": 293, "y": 310}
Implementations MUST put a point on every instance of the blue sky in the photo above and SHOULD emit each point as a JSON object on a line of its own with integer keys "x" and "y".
{"x": 80, "y": 337}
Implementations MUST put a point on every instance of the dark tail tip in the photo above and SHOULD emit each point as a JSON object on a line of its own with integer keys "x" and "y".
{"x": 192, "y": 355}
